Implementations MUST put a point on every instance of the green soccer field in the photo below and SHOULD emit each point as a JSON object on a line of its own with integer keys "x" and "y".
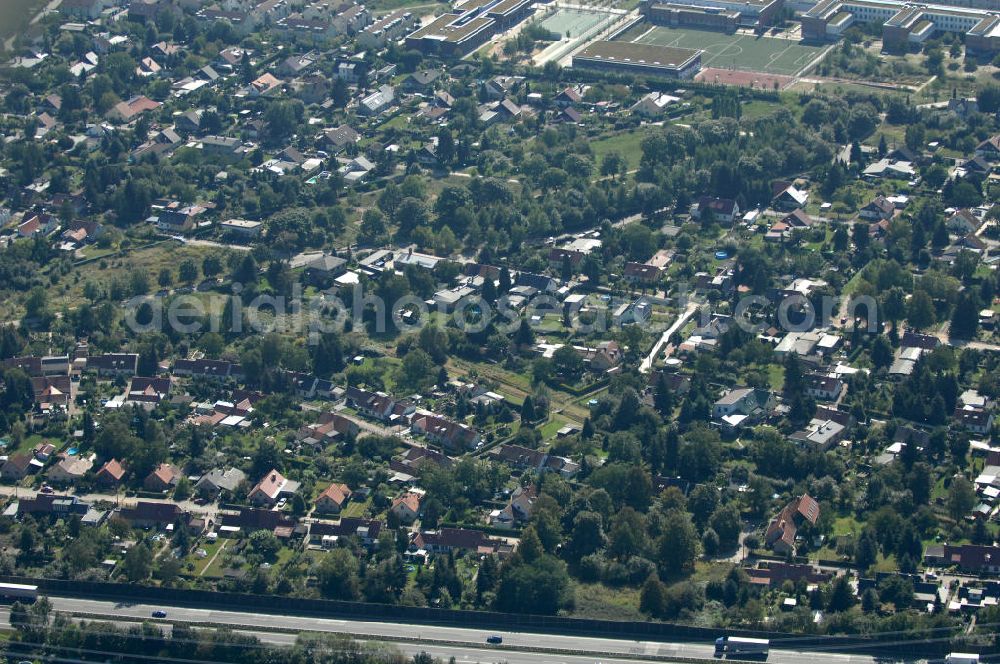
{"x": 744, "y": 52}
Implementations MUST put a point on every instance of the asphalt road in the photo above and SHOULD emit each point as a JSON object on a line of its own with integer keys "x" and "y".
{"x": 210, "y": 510}
{"x": 467, "y": 655}
{"x": 416, "y": 638}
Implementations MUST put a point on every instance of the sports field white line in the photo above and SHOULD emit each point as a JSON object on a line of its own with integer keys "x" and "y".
{"x": 798, "y": 63}
{"x": 779, "y": 54}
{"x": 781, "y": 62}
{"x": 640, "y": 37}
{"x": 775, "y": 57}
{"x": 572, "y": 21}
{"x": 803, "y": 60}
{"x": 710, "y": 53}
{"x": 724, "y": 52}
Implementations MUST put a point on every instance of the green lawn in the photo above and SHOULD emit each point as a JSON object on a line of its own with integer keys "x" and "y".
{"x": 964, "y": 83}
{"x": 550, "y": 428}
{"x": 69, "y": 292}
{"x": 355, "y": 508}
{"x": 201, "y": 563}
{"x": 845, "y": 525}
{"x": 400, "y": 121}
{"x": 627, "y": 144}
{"x": 841, "y": 88}
{"x": 214, "y": 568}
{"x": 852, "y": 283}
{"x": 515, "y": 386}
{"x": 776, "y": 377}
{"x": 816, "y": 246}
{"x": 886, "y": 564}
{"x": 36, "y": 439}
{"x": 594, "y": 600}
{"x": 15, "y": 15}
{"x": 551, "y": 324}
{"x": 759, "y": 108}
{"x": 93, "y": 251}
{"x": 939, "y": 491}
{"x": 285, "y": 554}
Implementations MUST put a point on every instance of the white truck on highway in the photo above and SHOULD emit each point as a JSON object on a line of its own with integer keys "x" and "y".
{"x": 739, "y": 645}
{"x": 19, "y": 591}
{"x": 962, "y": 658}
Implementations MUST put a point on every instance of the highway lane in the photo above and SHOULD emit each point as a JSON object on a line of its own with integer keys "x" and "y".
{"x": 413, "y": 638}
{"x": 464, "y": 655}
{"x": 467, "y": 656}
{"x": 461, "y": 654}
{"x": 411, "y": 633}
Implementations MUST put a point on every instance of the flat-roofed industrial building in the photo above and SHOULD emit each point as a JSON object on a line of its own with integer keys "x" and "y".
{"x": 639, "y": 59}
{"x": 904, "y": 24}
{"x": 468, "y": 26}
{"x": 712, "y": 14}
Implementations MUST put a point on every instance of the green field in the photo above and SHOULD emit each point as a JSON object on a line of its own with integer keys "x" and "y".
{"x": 15, "y": 16}
{"x": 627, "y": 144}
{"x": 744, "y": 52}
{"x": 356, "y": 508}
{"x": 571, "y": 22}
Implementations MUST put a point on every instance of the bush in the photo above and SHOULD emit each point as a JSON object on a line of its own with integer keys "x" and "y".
{"x": 591, "y": 567}
{"x": 615, "y": 574}
{"x": 639, "y": 569}
{"x": 710, "y": 542}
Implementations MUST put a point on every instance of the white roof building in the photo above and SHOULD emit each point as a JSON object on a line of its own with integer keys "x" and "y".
{"x": 654, "y": 104}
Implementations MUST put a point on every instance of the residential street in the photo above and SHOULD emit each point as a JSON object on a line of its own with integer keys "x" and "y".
{"x": 209, "y": 509}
